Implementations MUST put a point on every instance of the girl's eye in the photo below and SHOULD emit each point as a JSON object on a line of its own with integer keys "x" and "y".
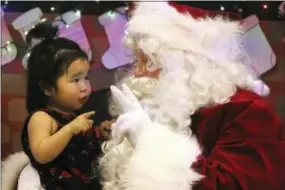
{"x": 87, "y": 77}
{"x": 75, "y": 80}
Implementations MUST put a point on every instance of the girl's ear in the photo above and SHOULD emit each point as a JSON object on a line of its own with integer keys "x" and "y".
{"x": 47, "y": 90}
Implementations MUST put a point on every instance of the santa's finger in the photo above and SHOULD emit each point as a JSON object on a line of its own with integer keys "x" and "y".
{"x": 122, "y": 124}
{"x": 120, "y": 98}
{"x": 130, "y": 95}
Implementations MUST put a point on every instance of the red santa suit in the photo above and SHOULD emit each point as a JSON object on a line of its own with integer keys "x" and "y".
{"x": 241, "y": 141}
{"x": 243, "y": 145}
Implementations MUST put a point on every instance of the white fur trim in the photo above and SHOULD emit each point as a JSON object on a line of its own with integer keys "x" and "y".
{"x": 29, "y": 179}
{"x": 161, "y": 160}
{"x": 165, "y": 24}
{"x": 11, "y": 169}
{"x": 260, "y": 88}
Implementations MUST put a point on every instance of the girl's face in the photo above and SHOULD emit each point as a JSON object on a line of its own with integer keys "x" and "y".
{"x": 73, "y": 87}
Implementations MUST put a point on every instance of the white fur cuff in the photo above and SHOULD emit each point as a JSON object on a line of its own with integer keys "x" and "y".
{"x": 162, "y": 160}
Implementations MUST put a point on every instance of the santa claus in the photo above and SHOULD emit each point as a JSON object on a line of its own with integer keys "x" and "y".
{"x": 189, "y": 118}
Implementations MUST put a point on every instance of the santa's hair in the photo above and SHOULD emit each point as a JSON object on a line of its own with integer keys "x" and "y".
{"x": 204, "y": 65}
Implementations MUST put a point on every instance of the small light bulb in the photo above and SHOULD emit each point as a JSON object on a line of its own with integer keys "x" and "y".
{"x": 43, "y": 19}
{"x": 67, "y": 26}
{"x": 26, "y": 32}
{"x": 52, "y": 8}
{"x": 222, "y": 8}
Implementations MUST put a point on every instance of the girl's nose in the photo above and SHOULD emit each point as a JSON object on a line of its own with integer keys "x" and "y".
{"x": 84, "y": 86}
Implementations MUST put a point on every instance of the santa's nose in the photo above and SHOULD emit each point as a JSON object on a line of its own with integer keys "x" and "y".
{"x": 140, "y": 70}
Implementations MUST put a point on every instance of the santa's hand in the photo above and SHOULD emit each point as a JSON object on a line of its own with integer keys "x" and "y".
{"x": 134, "y": 119}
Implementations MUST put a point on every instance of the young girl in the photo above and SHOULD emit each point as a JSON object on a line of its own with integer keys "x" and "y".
{"x": 59, "y": 143}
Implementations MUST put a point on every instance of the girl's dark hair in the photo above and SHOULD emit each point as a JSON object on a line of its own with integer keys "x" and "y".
{"x": 48, "y": 60}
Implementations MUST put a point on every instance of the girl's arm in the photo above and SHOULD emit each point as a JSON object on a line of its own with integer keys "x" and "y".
{"x": 46, "y": 146}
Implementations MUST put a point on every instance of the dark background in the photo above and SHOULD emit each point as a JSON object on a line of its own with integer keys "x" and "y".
{"x": 244, "y": 8}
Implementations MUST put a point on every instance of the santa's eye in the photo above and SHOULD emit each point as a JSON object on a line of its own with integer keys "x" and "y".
{"x": 150, "y": 66}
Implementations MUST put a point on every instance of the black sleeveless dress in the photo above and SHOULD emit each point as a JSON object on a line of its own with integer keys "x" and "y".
{"x": 76, "y": 168}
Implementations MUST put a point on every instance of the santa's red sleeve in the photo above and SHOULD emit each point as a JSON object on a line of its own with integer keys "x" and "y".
{"x": 249, "y": 152}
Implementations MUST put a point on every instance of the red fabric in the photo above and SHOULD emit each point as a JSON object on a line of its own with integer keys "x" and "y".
{"x": 193, "y": 11}
{"x": 200, "y": 13}
{"x": 243, "y": 145}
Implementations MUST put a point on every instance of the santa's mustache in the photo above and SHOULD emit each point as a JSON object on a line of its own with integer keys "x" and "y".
{"x": 141, "y": 86}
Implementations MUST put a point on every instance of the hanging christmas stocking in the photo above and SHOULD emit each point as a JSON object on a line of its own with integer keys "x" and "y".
{"x": 261, "y": 57}
{"x": 8, "y": 49}
{"x": 70, "y": 27}
{"x": 117, "y": 55}
{"x": 24, "y": 23}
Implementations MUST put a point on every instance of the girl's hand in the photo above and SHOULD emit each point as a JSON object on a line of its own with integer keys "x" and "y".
{"x": 105, "y": 129}
{"x": 81, "y": 123}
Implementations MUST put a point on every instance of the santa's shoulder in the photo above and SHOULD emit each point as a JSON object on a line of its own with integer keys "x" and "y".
{"x": 244, "y": 103}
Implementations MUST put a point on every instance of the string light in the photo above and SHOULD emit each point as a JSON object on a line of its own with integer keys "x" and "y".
{"x": 281, "y": 10}
{"x": 112, "y": 13}
{"x": 265, "y": 6}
